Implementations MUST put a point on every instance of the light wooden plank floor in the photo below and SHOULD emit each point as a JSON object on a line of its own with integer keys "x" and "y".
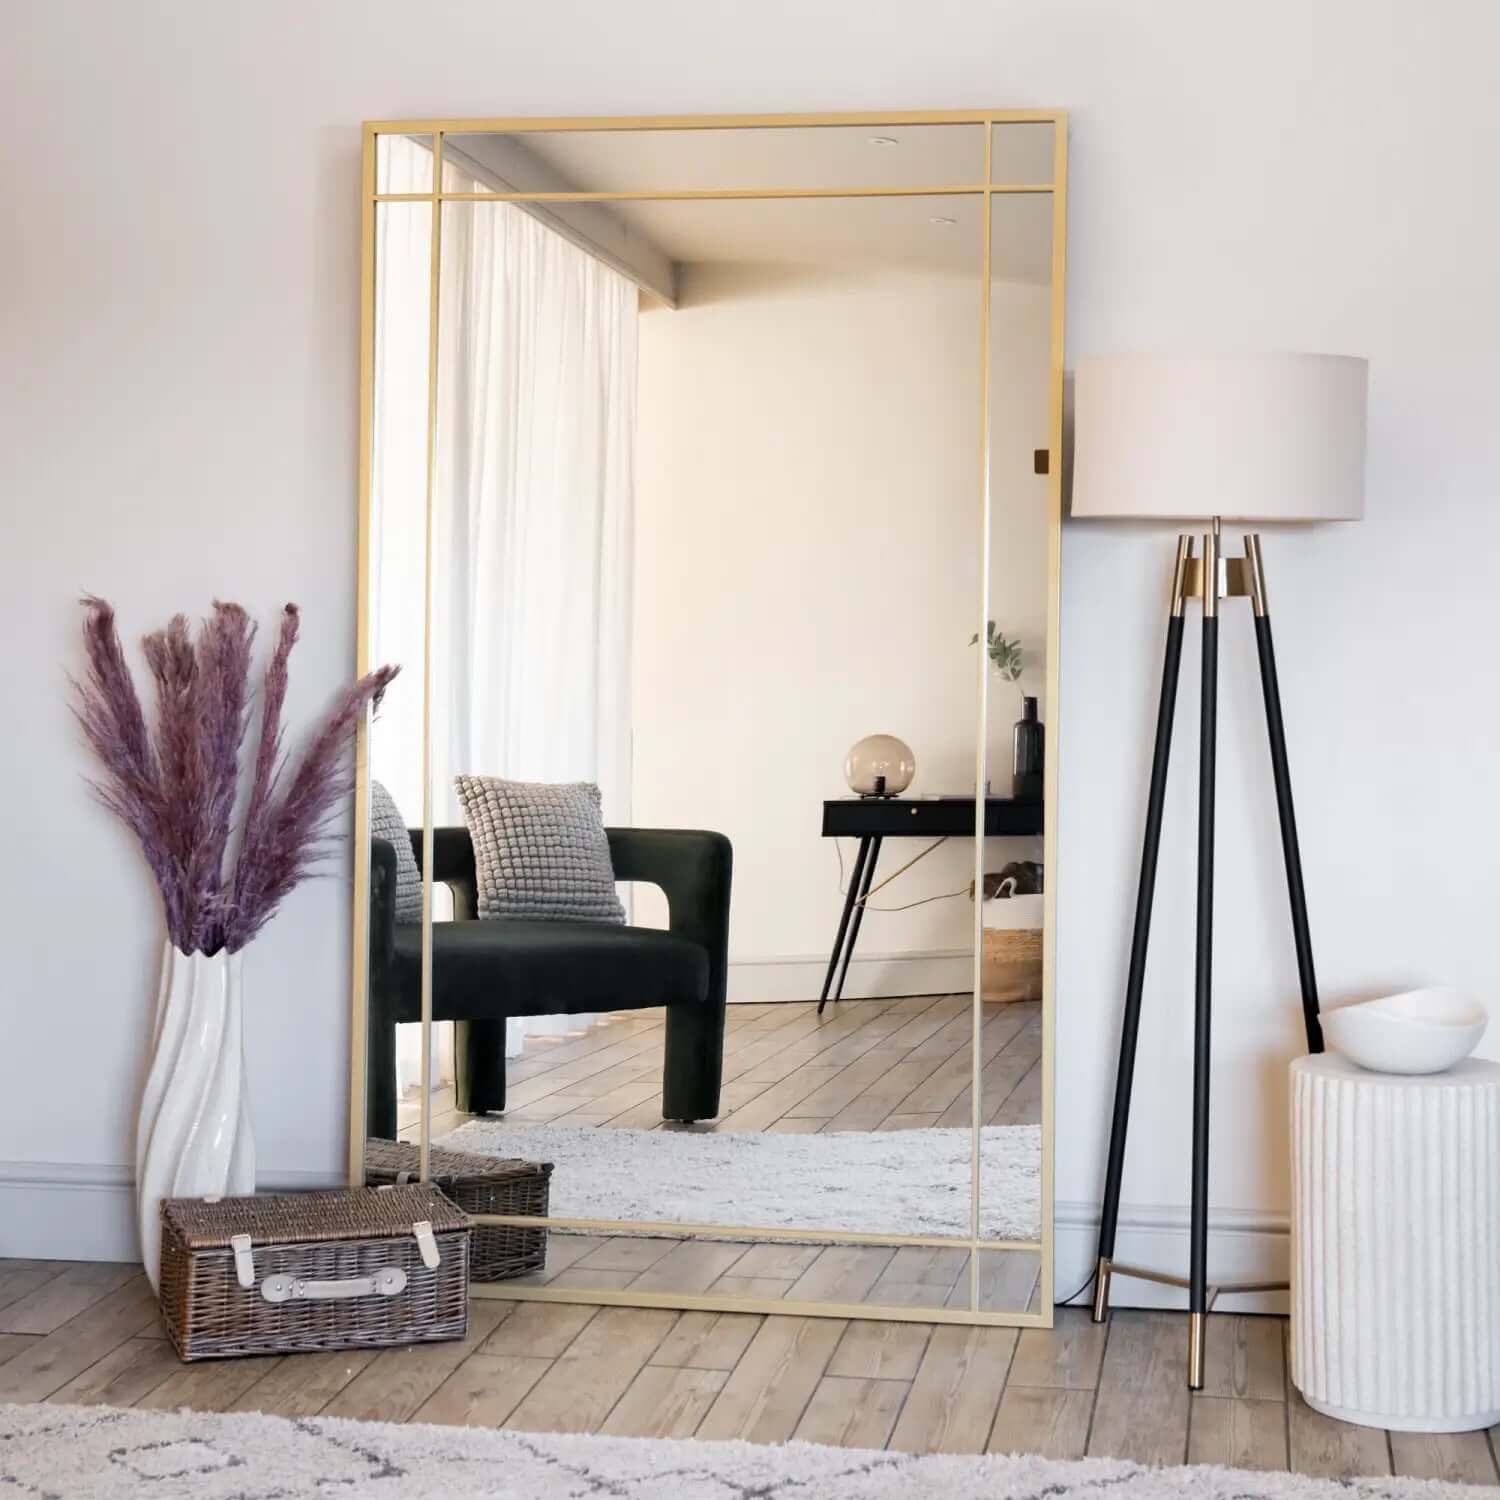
{"x": 72, "y": 1331}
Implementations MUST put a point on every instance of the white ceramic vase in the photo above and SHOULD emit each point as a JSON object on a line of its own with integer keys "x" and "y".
{"x": 193, "y": 1137}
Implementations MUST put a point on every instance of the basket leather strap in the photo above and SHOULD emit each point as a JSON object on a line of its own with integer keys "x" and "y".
{"x": 431, "y": 1258}
{"x": 244, "y": 1261}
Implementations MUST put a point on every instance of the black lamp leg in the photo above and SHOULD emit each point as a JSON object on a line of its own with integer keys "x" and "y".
{"x": 1301, "y": 933}
{"x": 1140, "y": 938}
{"x": 838, "y": 943}
{"x": 1204, "y": 978}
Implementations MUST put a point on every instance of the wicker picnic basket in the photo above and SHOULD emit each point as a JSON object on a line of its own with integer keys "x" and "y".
{"x": 479, "y": 1185}
{"x": 295, "y": 1272}
{"x": 1011, "y": 963}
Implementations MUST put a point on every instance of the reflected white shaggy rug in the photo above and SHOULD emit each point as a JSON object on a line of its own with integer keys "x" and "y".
{"x": 104, "y": 1454}
{"x": 911, "y": 1181}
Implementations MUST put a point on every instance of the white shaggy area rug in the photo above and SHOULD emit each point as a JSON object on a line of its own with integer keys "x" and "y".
{"x": 911, "y": 1181}
{"x": 99, "y": 1453}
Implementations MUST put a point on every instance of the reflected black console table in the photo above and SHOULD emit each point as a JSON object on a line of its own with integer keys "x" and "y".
{"x": 872, "y": 820}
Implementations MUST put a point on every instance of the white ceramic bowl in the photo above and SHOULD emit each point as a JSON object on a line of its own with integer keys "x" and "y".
{"x": 1421, "y": 1031}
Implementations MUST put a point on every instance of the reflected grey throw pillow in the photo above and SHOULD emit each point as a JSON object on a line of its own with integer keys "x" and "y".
{"x": 539, "y": 850}
{"x": 387, "y": 823}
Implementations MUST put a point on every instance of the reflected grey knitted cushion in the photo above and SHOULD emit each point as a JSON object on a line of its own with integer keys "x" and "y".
{"x": 386, "y": 822}
{"x": 539, "y": 850}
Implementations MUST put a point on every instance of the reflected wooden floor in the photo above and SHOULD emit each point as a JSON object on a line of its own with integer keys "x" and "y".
{"x": 90, "y": 1333}
{"x": 863, "y": 1065}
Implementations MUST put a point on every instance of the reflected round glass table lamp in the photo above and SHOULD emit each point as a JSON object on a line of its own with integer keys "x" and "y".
{"x": 880, "y": 765}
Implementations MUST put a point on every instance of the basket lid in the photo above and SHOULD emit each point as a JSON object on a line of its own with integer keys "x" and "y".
{"x": 395, "y": 1157}
{"x": 296, "y": 1218}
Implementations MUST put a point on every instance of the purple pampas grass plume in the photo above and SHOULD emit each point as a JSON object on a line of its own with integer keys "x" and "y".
{"x": 114, "y": 725}
{"x": 174, "y": 668}
{"x": 297, "y": 809}
{"x": 224, "y": 648}
{"x": 248, "y": 871}
{"x": 272, "y": 700}
{"x": 176, "y": 789}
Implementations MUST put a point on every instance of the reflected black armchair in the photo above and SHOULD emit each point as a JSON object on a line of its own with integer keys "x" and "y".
{"x": 484, "y": 972}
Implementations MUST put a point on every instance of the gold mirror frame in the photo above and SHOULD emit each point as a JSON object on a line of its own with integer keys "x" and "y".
{"x": 1057, "y": 188}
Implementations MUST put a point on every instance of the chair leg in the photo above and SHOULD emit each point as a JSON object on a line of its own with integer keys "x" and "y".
{"x": 479, "y": 1066}
{"x": 694, "y": 1063}
{"x": 380, "y": 1076}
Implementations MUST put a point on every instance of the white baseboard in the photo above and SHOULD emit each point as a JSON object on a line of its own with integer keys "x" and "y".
{"x": 781, "y": 979}
{"x": 75, "y": 1211}
{"x": 1241, "y": 1246}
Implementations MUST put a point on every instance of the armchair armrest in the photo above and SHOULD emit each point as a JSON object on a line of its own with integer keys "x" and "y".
{"x": 694, "y": 869}
{"x": 382, "y": 903}
{"x": 453, "y": 866}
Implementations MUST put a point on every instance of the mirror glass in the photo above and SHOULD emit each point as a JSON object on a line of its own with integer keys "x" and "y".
{"x": 712, "y": 715}
{"x": 396, "y": 610}
{"x": 654, "y": 161}
{"x": 664, "y": 540}
{"x": 857, "y": 1276}
{"x": 1021, "y": 152}
{"x": 1009, "y": 1281}
{"x": 1020, "y": 405}
{"x": 403, "y": 163}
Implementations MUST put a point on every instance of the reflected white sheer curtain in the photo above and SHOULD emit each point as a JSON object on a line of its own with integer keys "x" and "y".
{"x": 533, "y": 514}
{"x": 398, "y": 520}
{"x": 534, "y": 518}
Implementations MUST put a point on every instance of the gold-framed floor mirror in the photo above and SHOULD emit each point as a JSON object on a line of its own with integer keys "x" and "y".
{"x": 710, "y": 503}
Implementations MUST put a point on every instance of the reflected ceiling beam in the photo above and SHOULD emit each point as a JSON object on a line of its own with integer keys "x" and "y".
{"x": 500, "y": 162}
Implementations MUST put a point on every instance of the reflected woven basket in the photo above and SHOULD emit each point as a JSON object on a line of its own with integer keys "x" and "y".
{"x": 478, "y": 1185}
{"x": 1011, "y": 964}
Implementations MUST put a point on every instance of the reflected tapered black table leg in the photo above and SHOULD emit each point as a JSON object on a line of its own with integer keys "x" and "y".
{"x": 849, "y": 900}
{"x": 859, "y": 915}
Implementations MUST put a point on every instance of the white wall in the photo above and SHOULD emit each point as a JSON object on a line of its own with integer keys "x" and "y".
{"x": 807, "y": 555}
{"x": 180, "y": 336}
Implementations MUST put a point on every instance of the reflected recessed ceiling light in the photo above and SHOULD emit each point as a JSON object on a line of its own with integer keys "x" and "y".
{"x": 941, "y": 219}
{"x": 884, "y": 140}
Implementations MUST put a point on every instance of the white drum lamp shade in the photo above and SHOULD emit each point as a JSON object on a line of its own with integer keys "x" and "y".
{"x": 1260, "y": 437}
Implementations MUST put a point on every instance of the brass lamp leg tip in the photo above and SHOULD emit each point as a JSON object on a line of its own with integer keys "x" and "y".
{"x": 1101, "y": 1289}
{"x": 1195, "y": 1351}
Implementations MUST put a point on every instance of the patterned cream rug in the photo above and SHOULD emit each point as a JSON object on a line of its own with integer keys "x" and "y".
{"x": 94, "y": 1451}
{"x": 915, "y": 1181}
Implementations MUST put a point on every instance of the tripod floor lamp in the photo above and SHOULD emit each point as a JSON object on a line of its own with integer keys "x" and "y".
{"x": 1259, "y": 438}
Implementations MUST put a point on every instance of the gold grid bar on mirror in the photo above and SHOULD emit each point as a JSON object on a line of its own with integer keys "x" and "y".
{"x": 643, "y": 195}
{"x": 1057, "y": 189}
{"x": 434, "y": 288}
{"x": 358, "y": 1011}
{"x": 1049, "y": 765}
{"x": 981, "y": 737}
{"x": 654, "y": 1228}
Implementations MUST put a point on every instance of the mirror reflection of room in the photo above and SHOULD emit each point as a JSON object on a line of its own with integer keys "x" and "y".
{"x": 675, "y": 952}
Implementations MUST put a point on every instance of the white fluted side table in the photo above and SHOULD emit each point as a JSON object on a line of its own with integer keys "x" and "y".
{"x": 1396, "y": 1244}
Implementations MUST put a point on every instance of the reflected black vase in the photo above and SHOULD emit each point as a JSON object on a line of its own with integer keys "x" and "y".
{"x": 1026, "y": 755}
